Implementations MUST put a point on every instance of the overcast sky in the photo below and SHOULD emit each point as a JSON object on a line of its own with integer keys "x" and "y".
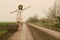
{"x": 37, "y": 7}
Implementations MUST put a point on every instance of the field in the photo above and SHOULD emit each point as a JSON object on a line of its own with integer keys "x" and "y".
{"x": 7, "y": 27}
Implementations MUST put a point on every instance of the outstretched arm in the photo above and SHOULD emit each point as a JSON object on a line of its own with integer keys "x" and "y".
{"x": 26, "y": 7}
{"x": 13, "y": 11}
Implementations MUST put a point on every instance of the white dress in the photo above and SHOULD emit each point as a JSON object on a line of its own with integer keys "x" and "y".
{"x": 18, "y": 16}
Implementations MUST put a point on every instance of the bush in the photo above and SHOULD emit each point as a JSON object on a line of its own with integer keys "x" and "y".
{"x": 12, "y": 27}
{"x": 57, "y": 25}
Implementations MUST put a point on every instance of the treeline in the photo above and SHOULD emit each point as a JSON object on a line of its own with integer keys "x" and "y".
{"x": 46, "y": 22}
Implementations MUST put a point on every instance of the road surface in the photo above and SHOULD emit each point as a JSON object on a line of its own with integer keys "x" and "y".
{"x": 23, "y": 34}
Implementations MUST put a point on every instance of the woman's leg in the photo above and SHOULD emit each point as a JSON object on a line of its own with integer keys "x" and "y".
{"x": 19, "y": 23}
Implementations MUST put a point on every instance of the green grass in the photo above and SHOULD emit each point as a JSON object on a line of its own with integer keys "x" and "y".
{"x": 54, "y": 26}
{"x": 3, "y": 27}
{"x": 2, "y": 31}
{"x": 4, "y": 23}
{"x": 46, "y": 24}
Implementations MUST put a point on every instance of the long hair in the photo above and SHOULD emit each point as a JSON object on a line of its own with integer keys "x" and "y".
{"x": 20, "y": 7}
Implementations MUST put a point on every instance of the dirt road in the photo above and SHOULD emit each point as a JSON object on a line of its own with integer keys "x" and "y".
{"x": 23, "y": 34}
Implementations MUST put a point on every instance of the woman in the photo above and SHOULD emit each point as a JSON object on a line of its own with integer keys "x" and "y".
{"x": 19, "y": 21}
